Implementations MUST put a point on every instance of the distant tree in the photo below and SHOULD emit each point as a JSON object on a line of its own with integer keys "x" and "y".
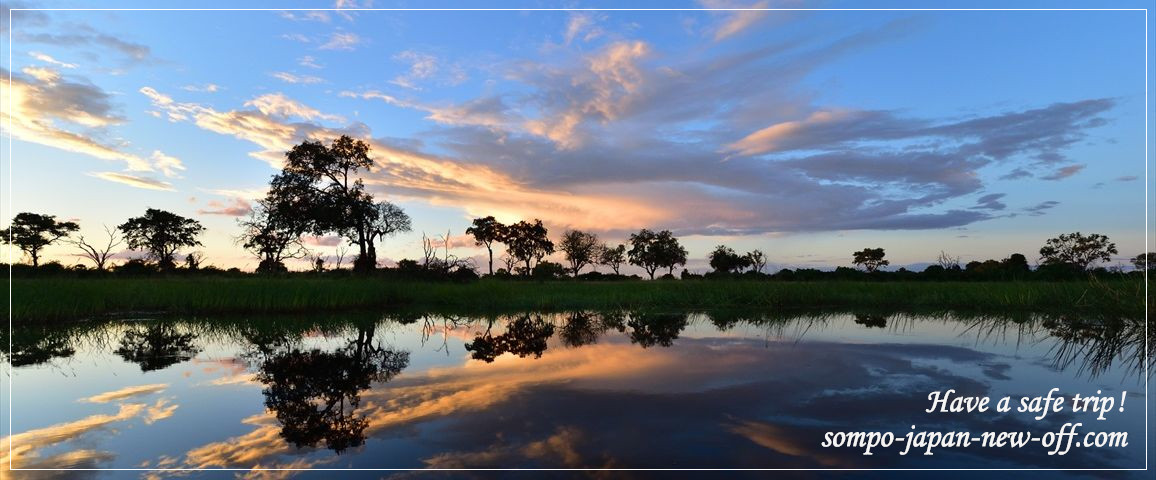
{"x": 486, "y": 231}
{"x": 528, "y": 243}
{"x": 322, "y": 183}
{"x": 161, "y": 234}
{"x": 99, "y": 254}
{"x": 756, "y": 260}
{"x": 870, "y": 258}
{"x": 272, "y": 232}
{"x": 385, "y": 220}
{"x": 193, "y": 260}
{"x": 948, "y": 262}
{"x": 1145, "y": 261}
{"x": 1077, "y": 250}
{"x": 652, "y": 251}
{"x": 724, "y": 260}
{"x": 581, "y": 249}
{"x": 1016, "y": 264}
{"x": 612, "y": 257}
{"x": 31, "y": 232}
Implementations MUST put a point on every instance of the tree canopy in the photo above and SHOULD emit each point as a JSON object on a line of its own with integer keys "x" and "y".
{"x": 1077, "y": 250}
{"x": 31, "y": 232}
{"x": 871, "y": 259}
{"x": 528, "y": 242}
{"x": 581, "y": 249}
{"x": 652, "y": 251}
{"x": 486, "y": 231}
{"x": 161, "y": 234}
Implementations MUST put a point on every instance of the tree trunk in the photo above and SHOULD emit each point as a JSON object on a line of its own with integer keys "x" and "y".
{"x": 35, "y": 258}
{"x": 491, "y": 250}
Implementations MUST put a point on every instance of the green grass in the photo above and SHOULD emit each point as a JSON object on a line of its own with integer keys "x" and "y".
{"x": 45, "y": 299}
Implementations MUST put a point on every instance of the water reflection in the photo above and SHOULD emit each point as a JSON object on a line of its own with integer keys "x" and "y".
{"x": 157, "y": 346}
{"x": 315, "y": 394}
{"x": 577, "y": 389}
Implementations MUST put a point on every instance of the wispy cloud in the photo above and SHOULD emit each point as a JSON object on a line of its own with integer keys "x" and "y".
{"x": 308, "y": 61}
{"x": 134, "y": 180}
{"x": 208, "y": 88}
{"x": 734, "y": 22}
{"x": 341, "y": 41}
{"x": 235, "y": 207}
{"x": 127, "y": 392}
{"x": 48, "y": 59}
{"x": 291, "y": 78}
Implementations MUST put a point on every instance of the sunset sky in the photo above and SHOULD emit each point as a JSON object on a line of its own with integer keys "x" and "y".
{"x": 808, "y": 135}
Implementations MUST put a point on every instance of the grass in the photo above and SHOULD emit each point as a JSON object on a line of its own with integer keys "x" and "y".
{"x": 47, "y": 299}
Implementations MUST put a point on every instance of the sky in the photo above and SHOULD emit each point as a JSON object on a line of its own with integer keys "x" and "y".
{"x": 805, "y": 134}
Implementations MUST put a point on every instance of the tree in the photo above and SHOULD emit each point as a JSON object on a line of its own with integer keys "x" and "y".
{"x": 386, "y": 220}
{"x": 1145, "y": 261}
{"x": 612, "y": 257}
{"x": 756, "y": 260}
{"x": 321, "y": 183}
{"x": 486, "y": 231}
{"x": 870, "y": 259}
{"x": 31, "y": 232}
{"x": 1077, "y": 250}
{"x": 581, "y": 249}
{"x": 273, "y": 233}
{"x": 527, "y": 242}
{"x": 948, "y": 262}
{"x": 98, "y": 254}
{"x": 161, "y": 234}
{"x": 652, "y": 251}
{"x": 724, "y": 260}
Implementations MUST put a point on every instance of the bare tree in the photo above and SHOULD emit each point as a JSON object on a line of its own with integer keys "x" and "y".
{"x": 342, "y": 250}
{"x": 948, "y": 262}
{"x": 99, "y": 255}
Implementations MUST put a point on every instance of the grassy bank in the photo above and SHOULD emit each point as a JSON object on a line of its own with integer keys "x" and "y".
{"x": 69, "y": 298}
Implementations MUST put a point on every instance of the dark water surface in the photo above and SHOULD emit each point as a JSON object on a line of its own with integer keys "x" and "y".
{"x": 572, "y": 390}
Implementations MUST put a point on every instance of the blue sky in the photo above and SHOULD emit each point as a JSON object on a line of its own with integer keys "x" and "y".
{"x": 808, "y": 135}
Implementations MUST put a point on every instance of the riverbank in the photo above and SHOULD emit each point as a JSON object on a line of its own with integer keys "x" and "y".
{"x": 55, "y": 299}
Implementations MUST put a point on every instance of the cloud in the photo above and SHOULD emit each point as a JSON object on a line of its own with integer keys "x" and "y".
{"x": 1041, "y": 208}
{"x": 296, "y": 37}
{"x": 208, "y": 87}
{"x": 47, "y": 59}
{"x": 1127, "y": 178}
{"x": 308, "y": 61}
{"x": 278, "y": 105}
{"x": 311, "y": 15}
{"x": 421, "y": 66}
{"x": 328, "y": 241}
{"x": 21, "y": 450}
{"x": 1063, "y": 172}
{"x": 86, "y": 36}
{"x": 134, "y": 180}
{"x": 581, "y": 26}
{"x": 737, "y": 21}
{"x": 291, "y": 78}
{"x": 167, "y": 164}
{"x": 341, "y": 41}
{"x": 127, "y": 392}
{"x": 22, "y": 16}
{"x": 160, "y": 410}
{"x": 991, "y": 202}
{"x": 235, "y": 207}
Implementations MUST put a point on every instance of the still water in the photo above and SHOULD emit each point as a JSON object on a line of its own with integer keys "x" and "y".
{"x": 558, "y": 390}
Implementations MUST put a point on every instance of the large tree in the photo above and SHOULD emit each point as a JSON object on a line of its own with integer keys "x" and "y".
{"x": 724, "y": 260}
{"x": 652, "y": 251}
{"x": 99, "y": 254}
{"x": 870, "y": 258}
{"x": 161, "y": 234}
{"x": 527, "y": 242}
{"x": 323, "y": 182}
{"x": 612, "y": 257}
{"x": 386, "y": 220}
{"x": 1145, "y": 261}
{"x": 1077, "y": 250}
{"x": 31, "y": 232}
{"x": 486, "y": 231}
{"x": 581, "y": 248}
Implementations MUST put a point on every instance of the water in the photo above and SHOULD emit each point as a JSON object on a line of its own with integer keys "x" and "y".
{"x": 572, "y": 390}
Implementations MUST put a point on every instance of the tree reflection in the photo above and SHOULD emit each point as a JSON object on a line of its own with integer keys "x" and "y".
{"x": 871, "y": 320}
{"x": 584, "y": 328}
{"x": 39, "y": 348}
{"x": 650, "y": 329}
{"x": 156, "y": 347}
{"x": 524, "y": 336}
{"x": 1097, "y": 343}
{"x": 315, "y": 394}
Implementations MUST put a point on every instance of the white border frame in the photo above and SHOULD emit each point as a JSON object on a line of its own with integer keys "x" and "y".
{"x": 1147, "y": 244}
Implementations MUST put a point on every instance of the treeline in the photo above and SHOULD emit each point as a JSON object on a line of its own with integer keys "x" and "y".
{"x": 319, "y": 192}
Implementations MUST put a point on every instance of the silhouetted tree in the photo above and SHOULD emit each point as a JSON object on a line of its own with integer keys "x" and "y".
{"x": 161, "y": 234}
{"x": 528, "y": 243}
{"x": 36, "y": 345}
{"x": 31, "y": 232}
{"x": 1016, "y": 265}
{"x": 871, "y": 320}
{"x": 652, "y": 251}
{"x": 871, "y": 259}
{"x": 724, "y": 260}
{"x": 486, "y": 231}
{"x": 948, "y": 262}
{"x": 1145, "y": 261}
{"x": 322, "y": 182}
{"x": 1077, "y": 250}
{"x": 98, "y": 254}
{"x": 581, "y": 249}
{"x": 650, "y": 329}
{"x": 386, "y": 220}
{"x": 272, "y": 232}
{"x": 612, "y": 257}
{"x": 156, "y": 347}
{"x": 756, "y": 260}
